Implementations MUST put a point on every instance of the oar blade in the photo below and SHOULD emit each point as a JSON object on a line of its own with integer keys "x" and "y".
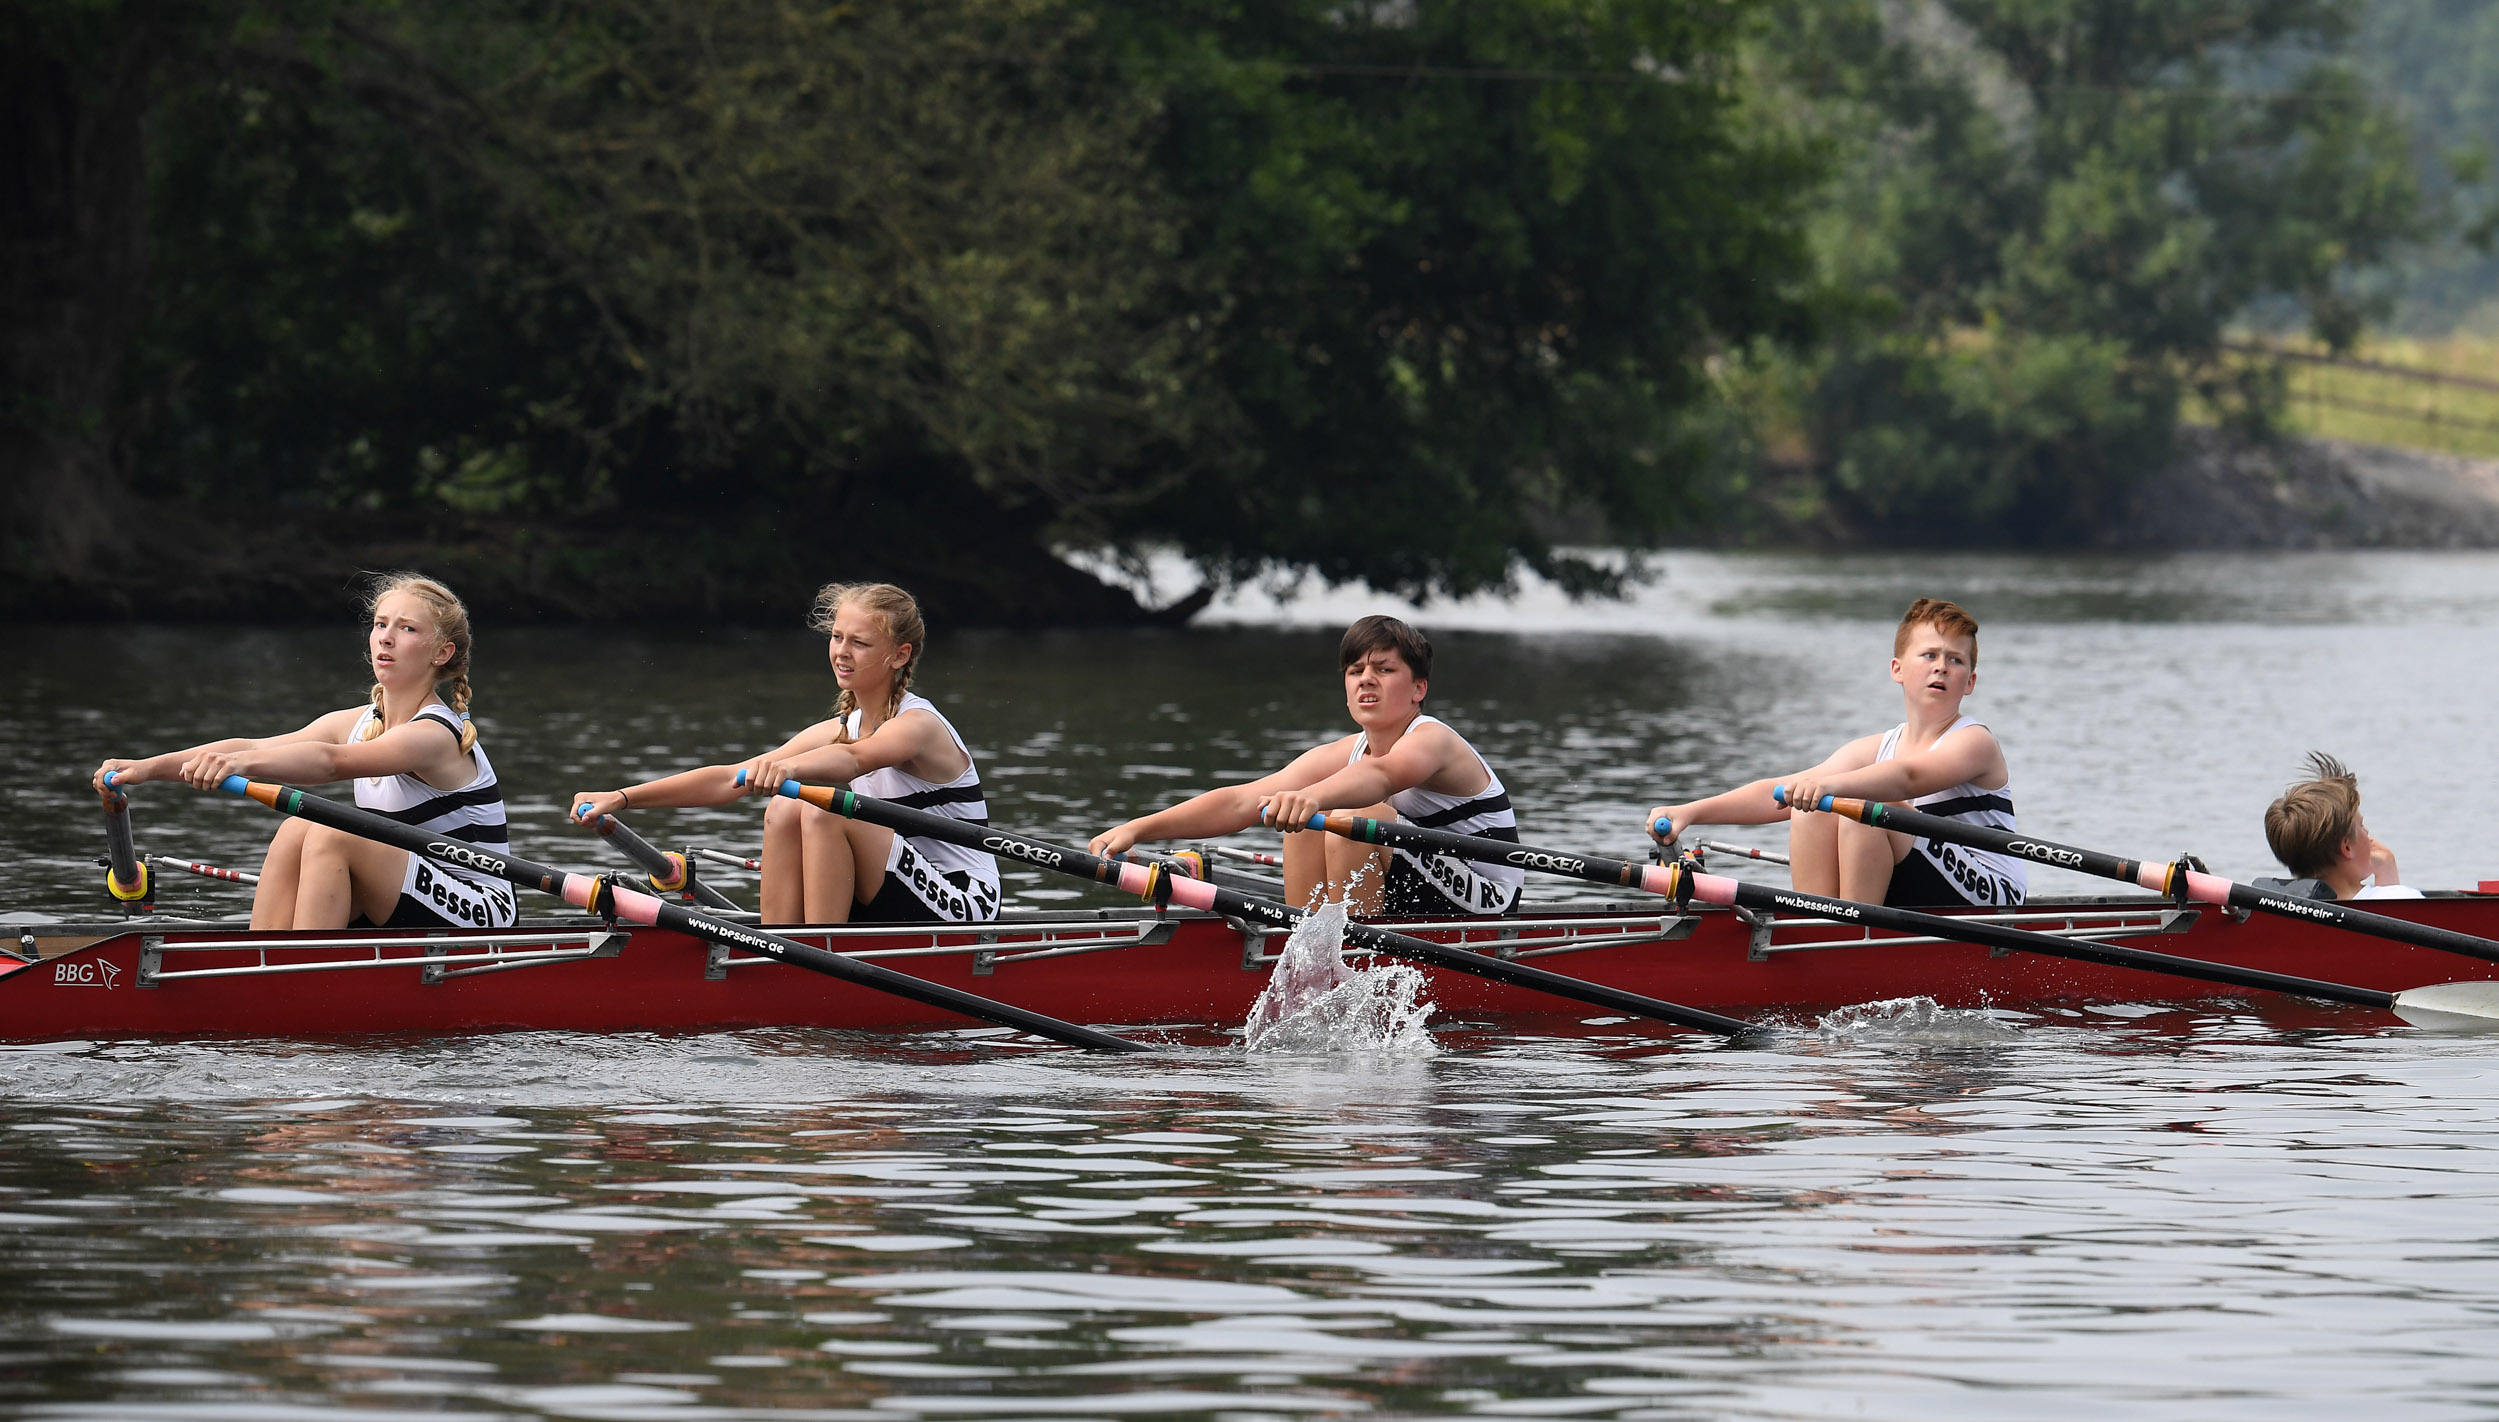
{"x": 2451, "y": 1007}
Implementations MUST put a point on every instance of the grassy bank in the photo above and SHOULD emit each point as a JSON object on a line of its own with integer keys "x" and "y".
{"x": 2412, "y": 394}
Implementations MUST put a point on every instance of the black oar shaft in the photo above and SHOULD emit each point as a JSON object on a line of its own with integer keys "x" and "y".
{"x": 1150, "y": 881}
{"x": 128, "y": 878}
{"x": 2173, "y": 879}
{"x": 668, "y": 873}
{"x": 2017, "y": 940}
{"x": 1719, "y": 889}
{"x": 596, "y": 894}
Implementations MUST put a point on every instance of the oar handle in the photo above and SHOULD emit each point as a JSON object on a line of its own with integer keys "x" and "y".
{"x": 127, "y": 879}
{"x": 667, "y": 870}
{"x": 1155, "y": 884}
{"x": 610, "y": 900}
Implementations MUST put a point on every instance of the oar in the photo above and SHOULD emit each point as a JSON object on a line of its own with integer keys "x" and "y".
{"x": 1766, "y": 856}
{"x": 734, "y": 861}
{"x": 669, "y": 873}
{"x": 2176, "y": 880}
{"x": 2442, "y": 1005}
{"x": 126, "y": 877}
{"x": 1153, "y": 883}
{"x": 205, "y": 871}
{"x": 605, "y": 897}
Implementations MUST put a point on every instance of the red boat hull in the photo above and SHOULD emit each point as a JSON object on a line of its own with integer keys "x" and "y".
{"x": 114, "y": 981}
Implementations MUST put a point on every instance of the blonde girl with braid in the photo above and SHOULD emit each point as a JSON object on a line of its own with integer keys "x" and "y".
{"x": 413, "y": 756}
{"x": 883, "y": 740}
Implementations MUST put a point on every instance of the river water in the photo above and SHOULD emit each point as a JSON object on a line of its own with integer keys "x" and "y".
{"x": 2231, "y": 1209}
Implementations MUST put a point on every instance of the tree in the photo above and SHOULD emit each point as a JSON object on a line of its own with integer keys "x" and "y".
{"x": 2053, "y": 209}
{"x": 1458, "y": 265}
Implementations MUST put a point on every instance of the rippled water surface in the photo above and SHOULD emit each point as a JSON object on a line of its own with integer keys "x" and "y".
{"x": 2232, "y": 1210}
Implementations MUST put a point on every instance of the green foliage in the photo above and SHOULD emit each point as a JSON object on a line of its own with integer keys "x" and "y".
{"x": 670, "y": 255}
{"x": 1459, "y": 261}
{"x": 2053, "y": 210}
{"x": 1116, "y": 274}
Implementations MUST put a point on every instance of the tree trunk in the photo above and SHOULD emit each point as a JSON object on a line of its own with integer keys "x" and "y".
{"x": 75, "y": 88}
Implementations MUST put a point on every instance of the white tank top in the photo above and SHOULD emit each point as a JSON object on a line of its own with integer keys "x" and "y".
{"x": 472, "y": 814}
{"x": 1485, "y": 813}
{"x": 958, "y": 799}
{"x": 1986, "y": 877}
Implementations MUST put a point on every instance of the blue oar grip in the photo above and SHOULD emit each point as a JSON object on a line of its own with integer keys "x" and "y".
{"x": 788, "y": 787}
{"x": 235, "y": 785}
{"x": 1778, "y": 796}
{"x": 112, "y": 780}
{"x": 1663, "y": 826}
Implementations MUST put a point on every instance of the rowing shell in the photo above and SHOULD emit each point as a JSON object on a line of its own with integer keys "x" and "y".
{"x": 158, "y": 976}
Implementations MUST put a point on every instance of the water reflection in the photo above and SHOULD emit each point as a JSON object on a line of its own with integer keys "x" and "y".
{"x": 2152, "y": 1209}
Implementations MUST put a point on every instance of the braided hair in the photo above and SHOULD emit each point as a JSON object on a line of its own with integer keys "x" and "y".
{"x": 451, "y": 624}
{"x": 900, "y": 613}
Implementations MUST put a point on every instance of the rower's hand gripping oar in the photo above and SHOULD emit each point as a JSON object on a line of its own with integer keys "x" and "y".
{"x": 668, "y": 872}
{"x": 2451, "y": 1005}
{"x": 1157, "y": 885}
{"x": 2179, "y": 881}
{"x": 607, "y": 898}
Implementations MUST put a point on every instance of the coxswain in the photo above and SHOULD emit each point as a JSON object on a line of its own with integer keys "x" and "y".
{"x": 1399, "y": 764}
{"x": 1937, "y": 761}
{"x": 2315, "y": 829}
{"x": 413, "y": 755}
{"x": 883, "y": 740}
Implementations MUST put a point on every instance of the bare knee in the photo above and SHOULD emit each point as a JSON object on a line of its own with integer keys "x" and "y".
{"x": 781, "y": 814}
{"x": 326, "y": 844}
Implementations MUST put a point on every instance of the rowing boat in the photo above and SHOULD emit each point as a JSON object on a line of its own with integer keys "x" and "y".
{"x": 159, "y": 976}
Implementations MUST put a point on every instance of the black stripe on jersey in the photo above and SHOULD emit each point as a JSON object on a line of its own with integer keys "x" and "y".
{"x": 943, "y": 795}
{"x": 494, "y": 836}
{"x": 1966, "y": 805}
{"x": 1490, "y": 804}
{"x": 418, "y": 814}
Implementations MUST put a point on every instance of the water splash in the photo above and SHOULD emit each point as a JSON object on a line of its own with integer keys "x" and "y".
{"x": 1912, "y": 1019}
{"x": 1318, "y": 1002}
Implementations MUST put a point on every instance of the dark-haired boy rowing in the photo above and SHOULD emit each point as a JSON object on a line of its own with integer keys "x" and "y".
{"x": 1400, "y": 765}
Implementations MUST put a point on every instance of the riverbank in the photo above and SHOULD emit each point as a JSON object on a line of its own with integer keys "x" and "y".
{"x": 280, "y": 567}
{"x": 2222, "y": 491}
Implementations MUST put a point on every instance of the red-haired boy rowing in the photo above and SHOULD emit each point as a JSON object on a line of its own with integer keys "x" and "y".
{"x": 1936, "y": 760}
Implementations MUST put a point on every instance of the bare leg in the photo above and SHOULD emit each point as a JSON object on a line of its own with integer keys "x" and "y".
{"x": 1813, "y": 854}
{"x": 1358, "y": 872}
{"x": 1866, "y": 858}
{"x": 783, "y": 898}
{"x": 843, "y": 864}
{"x": 273, "y": 900}
{"x": 342, "y": 876}
{"x": 1305, "y": 867}
{"x": 868, "y": 847}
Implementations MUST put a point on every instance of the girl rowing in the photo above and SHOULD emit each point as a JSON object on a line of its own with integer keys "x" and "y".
{"x": 884, "y": 741}
{"x": 413, "y": 756}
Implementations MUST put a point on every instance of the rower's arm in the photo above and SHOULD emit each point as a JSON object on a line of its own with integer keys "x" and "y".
{"x": 915, "y": 736}
{"x": 1423, "y": 754}
{"x": 704, "y": 785}
{"x": 1969, "y": 756}
{"x": 331, "y": 728}
{"x": 1225, "y": 811}
{"x": 1751, "y": 804}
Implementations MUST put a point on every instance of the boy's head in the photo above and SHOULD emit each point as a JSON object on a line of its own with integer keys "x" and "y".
{"x": 1385, "y": 634}
{"x": 2314, "y": 820}
{"x": 1935, "y": 657}
{"x": 1947, "y": 618}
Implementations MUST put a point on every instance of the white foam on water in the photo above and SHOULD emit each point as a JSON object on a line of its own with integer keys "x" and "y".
{"x": 1317, "y": 1002}
{"x": 1912, "y": 1019}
